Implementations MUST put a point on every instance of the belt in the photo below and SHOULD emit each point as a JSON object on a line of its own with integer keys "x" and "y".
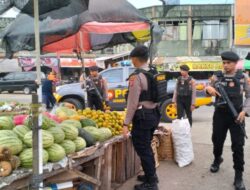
{"x": 145, "y": 110}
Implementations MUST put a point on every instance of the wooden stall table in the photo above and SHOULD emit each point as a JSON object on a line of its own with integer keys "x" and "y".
{"x": 62, "y": 174}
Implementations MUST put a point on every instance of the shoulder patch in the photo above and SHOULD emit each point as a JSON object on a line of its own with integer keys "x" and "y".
{"x": 132, "y": 80}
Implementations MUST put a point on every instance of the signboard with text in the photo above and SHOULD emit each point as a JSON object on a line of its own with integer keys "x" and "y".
{"x": 242, "y": 23}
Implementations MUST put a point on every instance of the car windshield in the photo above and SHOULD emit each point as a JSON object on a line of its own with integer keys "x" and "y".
{"x": 113, "y": 76}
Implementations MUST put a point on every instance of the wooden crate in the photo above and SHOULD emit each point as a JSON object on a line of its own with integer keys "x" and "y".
{"x": 125, "y": 162}
{"x": 165, "y": 149}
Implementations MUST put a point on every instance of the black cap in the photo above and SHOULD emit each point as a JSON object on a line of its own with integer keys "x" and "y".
{"x": 140, "y": 52}
{"x": 248, "y": 56}
{"x": 184, "y": 68}
{"x": 93, "y": 68}
{"x": 230, "y": 56}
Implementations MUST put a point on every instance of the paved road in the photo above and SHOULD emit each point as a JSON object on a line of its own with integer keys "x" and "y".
{"x": 197, "y": 175}
{"x": 17, "y": 97}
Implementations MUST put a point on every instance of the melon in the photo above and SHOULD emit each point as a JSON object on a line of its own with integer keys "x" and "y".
{"x": 71, "y": 132}
{"x": 88, "y": 122}
{"x": 69, "y": 146}
{"x": 26, "y": 157}
{"x": 21, "y": 131}
{"x": 80, "y": 143}
{"x": 47, "y": 139}
{"x": 94, "y": 132}
{"x": 56, "y": 153}
{"x": 6, "y": 122}
{"x": 72, "y": 122}
{"x": 10, "y": 140}
{"x": 57, "y": 133}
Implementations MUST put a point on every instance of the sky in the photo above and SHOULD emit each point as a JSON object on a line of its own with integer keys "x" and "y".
{"x": 147, "y": 3}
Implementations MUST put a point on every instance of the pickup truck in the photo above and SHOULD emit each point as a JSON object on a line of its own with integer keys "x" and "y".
{"x": 118, "y": 86}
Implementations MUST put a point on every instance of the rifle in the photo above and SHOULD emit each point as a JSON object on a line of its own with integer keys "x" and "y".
{"x": 96, "y": 90}
{"x": 219, "y": 86}
{"x": 105, "y": 105}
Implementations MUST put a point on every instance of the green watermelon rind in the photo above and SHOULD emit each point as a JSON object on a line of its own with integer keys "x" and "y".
{"x": 47, "y": 139}
{"x": 69, "y": 146}
{"x": 56, "y": 153}
{"x": 26, "y": 157}
{"x": 73, "y": 122}
{"x": 80, "y": 143}
{"x": 71, "y": 132}
{"x": 6, "y": 123}
{"x": 57, "y": 133}
{"x": 10, "y": 140}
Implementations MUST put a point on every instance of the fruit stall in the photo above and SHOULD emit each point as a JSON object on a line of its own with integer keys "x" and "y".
{"x": 83, "y": 147}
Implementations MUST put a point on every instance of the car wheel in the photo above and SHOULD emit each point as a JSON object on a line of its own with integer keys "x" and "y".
{"x": 168, "y": 111}
{"x": 0, "y": 90}
{"x": 10, "y": 91}
{"x": 26, "y": 90}
{"x": 76, "y": 103}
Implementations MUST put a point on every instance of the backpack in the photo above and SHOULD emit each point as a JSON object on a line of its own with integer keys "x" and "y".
{"x": 157, "y": 86}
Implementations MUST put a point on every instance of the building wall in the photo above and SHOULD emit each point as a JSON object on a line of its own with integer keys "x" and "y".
{"x": 193, "y": 30}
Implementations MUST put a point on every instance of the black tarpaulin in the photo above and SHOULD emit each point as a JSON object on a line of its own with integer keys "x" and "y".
{"x": 67, "y": 20}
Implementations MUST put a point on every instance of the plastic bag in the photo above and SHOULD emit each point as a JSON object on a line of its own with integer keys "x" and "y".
{"x": 183, "y": 147}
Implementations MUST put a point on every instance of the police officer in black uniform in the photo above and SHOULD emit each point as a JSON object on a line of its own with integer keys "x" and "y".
{"x": 234, "y": 82}
{"x": 185, "y": 94}
{"x": 143, "y": 113}
{"x": 96, "y": 89}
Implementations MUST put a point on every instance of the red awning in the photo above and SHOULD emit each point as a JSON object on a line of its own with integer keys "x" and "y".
{"x": 81, "y": 40}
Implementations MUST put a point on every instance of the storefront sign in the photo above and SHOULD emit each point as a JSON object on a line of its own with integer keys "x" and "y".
{"x": 242, "y": 23}
{"x": 28, "y": 63}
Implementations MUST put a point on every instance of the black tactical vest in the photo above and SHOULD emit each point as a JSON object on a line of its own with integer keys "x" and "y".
{"x": 233, "y": 87}
{"x": 92, "y": 82}
{"x": 157, "y": 89}
{"x": 184, "y": 86}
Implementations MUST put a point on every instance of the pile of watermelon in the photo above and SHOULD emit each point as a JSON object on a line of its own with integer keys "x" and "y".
{"x": 59, "y": 139}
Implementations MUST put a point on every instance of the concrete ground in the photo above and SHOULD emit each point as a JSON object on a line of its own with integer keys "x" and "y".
{"x": 197, "y": 175}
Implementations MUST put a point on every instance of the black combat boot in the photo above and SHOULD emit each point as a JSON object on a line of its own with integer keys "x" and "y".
{"x": 238, "y": 181}
{"x": 142, "y": 178}
{"x": 216, "y": 165}
{"x": 149, "y": 184}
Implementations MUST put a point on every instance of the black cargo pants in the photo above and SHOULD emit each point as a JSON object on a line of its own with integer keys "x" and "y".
{"x": 94, "y": 102}
{"x": 144, "y": 124}
{"x": 222, "y": 122}
{"x": 184, "y": 107}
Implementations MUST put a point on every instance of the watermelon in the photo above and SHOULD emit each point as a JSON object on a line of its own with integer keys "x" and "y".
{"x": 10, "y": 140}
{"x": 56, "y": 153}
{"x": 106, "y": 133}
{"x": 88, "y": 122}
{"x": 47, "y": 139}
{"x": 94, "y": 132}
{"x": 6, "y": 122}
{"x": 46, "y": 122}
{"x": 19, "y": 119}
{"x": 80, "y": 143}
{"x": 21, "y": 130}
{"x": 57, "y": 133}
{"x": 26, "y": 157}
{"x": 53, "y": 117}
{"x": 8, "y": 133}
{"x": 69, "y": 146}
{"x": 72, "y": 122}
{"x": 86, "y": 136}
{"x": 71, "y": 132}
{"x": 64, "y": 112}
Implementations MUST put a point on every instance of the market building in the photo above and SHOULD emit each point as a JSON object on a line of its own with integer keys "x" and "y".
{"x": 193, "y": 30}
